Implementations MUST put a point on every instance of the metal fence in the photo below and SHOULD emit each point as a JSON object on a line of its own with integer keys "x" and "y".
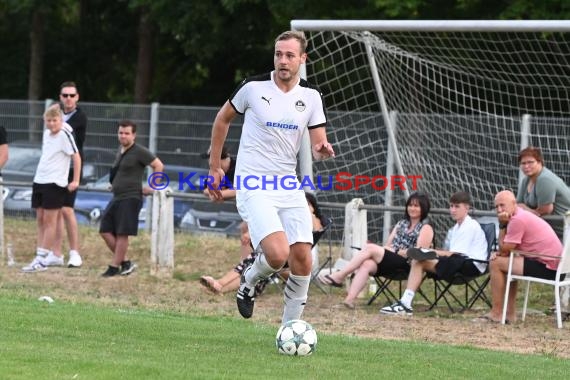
{"x": 179, "y": 134}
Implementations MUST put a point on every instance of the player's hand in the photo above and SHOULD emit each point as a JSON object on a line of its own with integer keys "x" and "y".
{"x": 213, "y": 186}
{"x": 72, "y": 186}
{"x": 323, "y": 150}
{"x": 212, "y": 196}
{"x": 147, "y": 190}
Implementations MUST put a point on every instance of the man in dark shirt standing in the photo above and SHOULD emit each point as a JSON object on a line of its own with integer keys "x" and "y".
{"x": 121, "y": 217}
{"x": 76, "y": 118}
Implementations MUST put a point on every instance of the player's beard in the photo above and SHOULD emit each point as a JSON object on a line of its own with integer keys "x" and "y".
{"x": 286, "y": 75}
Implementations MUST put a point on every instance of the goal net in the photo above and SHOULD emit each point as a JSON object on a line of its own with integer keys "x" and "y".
{"x": 453, "y": 102}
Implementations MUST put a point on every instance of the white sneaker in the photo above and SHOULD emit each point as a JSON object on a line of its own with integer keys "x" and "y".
{"x": 397, "y": 308}
{"x": 36, "y": 265}
{"x": 74, "y": 260}
{"x": 52, "y": 260}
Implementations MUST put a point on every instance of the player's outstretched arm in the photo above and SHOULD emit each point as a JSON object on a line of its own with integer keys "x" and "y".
{"x": 219, "y": 133}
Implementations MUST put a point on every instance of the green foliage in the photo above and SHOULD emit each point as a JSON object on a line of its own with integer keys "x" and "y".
{"x": 201, "y": 49}
{"x": 545, "y": 9}
{"x": 407, "y": 9}
{"x": 84, "y": 341}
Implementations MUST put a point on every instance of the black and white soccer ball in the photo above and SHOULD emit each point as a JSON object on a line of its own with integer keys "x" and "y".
{"x": 296, "y": 338}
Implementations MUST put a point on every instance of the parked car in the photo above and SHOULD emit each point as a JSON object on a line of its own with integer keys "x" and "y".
{"x": 93, "y": 200}
{"x": 216, "y": 218}
{"x": 21, "y": 166}
{"x": 25, "y": 155}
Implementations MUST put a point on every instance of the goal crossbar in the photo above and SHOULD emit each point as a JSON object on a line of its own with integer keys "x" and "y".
{"x": 434, "y": 25}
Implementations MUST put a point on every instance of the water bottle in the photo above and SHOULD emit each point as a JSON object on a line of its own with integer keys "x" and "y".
{"x": 10, "y": 255}
{"x": 372, "y": 287}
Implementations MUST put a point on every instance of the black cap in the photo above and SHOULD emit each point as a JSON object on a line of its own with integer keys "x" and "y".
{"x": 225, "y": 153}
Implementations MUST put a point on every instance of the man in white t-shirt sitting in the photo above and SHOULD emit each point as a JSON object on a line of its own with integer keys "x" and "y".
{"x": 466, "y": 241}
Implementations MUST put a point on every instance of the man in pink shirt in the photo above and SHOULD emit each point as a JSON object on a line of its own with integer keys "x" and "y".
{"x": 523, "y": 231}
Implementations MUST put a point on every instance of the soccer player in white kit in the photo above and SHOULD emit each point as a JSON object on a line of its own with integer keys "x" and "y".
{"x": 277, "y": 108}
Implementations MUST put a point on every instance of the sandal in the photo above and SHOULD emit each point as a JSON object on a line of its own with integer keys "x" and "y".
{"x": 328, "y": 280}
{"x": 421, "y": 254}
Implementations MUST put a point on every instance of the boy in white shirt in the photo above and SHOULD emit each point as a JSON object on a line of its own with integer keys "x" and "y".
{"x": 51, "y": 184}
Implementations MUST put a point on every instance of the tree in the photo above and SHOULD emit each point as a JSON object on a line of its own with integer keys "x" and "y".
{"x": 143, "y": 76}
{"x": 37, "y": 48}
{"x": 185, "y": 52}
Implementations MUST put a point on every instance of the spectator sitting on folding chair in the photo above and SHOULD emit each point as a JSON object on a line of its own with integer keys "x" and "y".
{"x": 374, "y": 260}
{"x": 466, "y": 241}
{"x": 524, "y": 231}
{"x": 230, "y": 281}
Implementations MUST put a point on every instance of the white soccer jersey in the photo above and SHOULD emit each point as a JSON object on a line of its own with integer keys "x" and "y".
{"x": 274, "y": 123}
{"x": 55, "y": 159}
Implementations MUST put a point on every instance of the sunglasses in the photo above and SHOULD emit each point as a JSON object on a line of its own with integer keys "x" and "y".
{"x": 68, "y": 95}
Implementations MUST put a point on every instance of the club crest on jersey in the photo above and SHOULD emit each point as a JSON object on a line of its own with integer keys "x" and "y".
{"x": 300, "y": 105}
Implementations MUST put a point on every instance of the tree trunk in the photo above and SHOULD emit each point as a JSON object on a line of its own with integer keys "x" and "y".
{"x": 37, "y": 46}
{"x": 36, "y": 55}
{"x": 144, "y": 59}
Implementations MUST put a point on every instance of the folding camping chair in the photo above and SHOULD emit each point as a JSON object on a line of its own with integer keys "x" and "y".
{"x": 384, "y": 283}
{"x": 474, "y": 284}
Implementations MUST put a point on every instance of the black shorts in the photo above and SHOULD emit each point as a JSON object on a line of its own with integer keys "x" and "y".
{"x": 48, "y": 196}
{"x": 69, "y": 198}
{"x": 535, "y": 268}
{"x": 448, "y": 266}
{"x": 121, "y": 217}
{"x": 391, "y": 264}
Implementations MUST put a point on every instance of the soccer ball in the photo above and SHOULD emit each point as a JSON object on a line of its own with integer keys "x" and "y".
{"x": 296, "y": 338}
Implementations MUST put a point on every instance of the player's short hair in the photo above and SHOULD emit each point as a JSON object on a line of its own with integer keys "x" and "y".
{"x": 294, "y": 34}
{"x": 461, "y": 197}
{"x": 68, "y": 84}
{"x": 53, "y": 111}
{"x": 128, "y": 123}
{"x": 531, "y": 151}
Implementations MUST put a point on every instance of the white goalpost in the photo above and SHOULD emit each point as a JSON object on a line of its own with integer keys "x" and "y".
{"x": 452, "y": 101}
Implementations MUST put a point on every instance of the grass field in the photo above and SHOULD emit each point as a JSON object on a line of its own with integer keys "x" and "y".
{"x": 83, "y": 341}
{"x": 142, "y": 327}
